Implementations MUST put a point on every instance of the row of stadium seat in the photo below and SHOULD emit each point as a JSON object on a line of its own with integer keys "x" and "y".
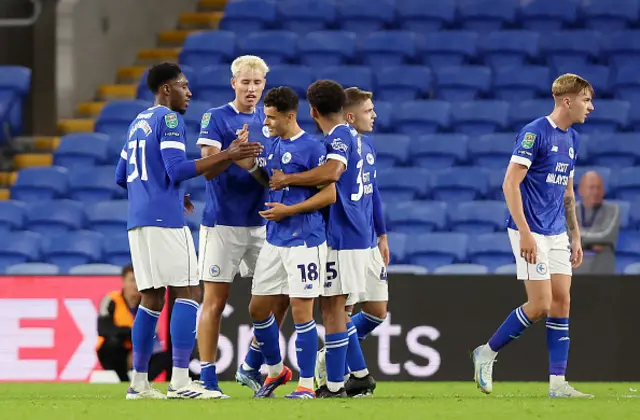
{"x": 46, "y": 269}
{"x": 14, "y": 86}
{"x": 437, "y": 49}
{"x": 482, "y": 15}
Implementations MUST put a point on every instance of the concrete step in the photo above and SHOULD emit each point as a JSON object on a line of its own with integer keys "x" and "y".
{"x": 212, "y": 5}
{"x": 200, "y": 20}
{"x": 29, "y": 160}
{"x": 157, "y": 55}
{"x": 174, "y": 37}
{"x": 76, "y": 125}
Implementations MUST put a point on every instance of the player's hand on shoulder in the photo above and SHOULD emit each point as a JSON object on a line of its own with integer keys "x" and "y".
{"x": 188, "y": 205}
{"x": 277, "y": 212}
{"x": 576, "y": 252}
{"x": 528, "y": 247}
{"x": 278, "y": 180}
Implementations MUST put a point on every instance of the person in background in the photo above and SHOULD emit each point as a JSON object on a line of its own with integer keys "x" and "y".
{"x": 599, "y": 224}
{"x": 115, "y": 320}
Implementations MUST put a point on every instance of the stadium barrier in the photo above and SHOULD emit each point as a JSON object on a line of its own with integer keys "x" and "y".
{"x": 47, "y": 329}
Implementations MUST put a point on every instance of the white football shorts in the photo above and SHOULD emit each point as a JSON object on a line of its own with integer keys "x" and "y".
{"x": 553, "y": 257}
{"x": 294, "y": 271}
{"x": 163, "y": 257}
{"x": 223, "y": 248}
{"x": 346, "y": 271}
{"x": 376, "y": 288}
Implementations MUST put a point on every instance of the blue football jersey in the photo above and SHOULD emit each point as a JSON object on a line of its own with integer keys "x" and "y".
{"x": 298, "y": 154}
{"x": 234, "y": 197}
{"x": 550, "y": 154}
{"x": 153, "y": 199}
{"x": 369, "y": 181}
{"x": 348, "y": 225}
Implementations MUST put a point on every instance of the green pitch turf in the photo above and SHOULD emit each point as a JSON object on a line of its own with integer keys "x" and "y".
{"x": 393, "y": 401}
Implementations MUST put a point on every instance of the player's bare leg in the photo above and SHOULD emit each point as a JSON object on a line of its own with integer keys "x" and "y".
{"x": 336, "y": 342}
{"x": 306, "y": 346}
{"x": 558, "y": 338}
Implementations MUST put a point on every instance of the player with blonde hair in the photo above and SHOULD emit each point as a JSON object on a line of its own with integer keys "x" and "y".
{"x": 538, "y": 188}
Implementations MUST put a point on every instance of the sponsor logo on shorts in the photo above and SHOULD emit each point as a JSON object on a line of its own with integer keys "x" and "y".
{"x": 541, "y": 268}
{"x": 383, "y": 273}
{"x": 214, "y": 270}
{"x": 308, "y": 286}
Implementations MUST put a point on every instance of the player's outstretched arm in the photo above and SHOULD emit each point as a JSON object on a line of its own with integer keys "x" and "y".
{"x": 278, "y": 211}
{"x": 219, "y": 168}
{"x": 572, "y": 224}
{"x": 321, "y": 175}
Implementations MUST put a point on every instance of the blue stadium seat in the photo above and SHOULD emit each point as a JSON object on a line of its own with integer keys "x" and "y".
{"x": 421, "y": 117}
{"x": 605, "y": 174}
{"x": 116, "y": 116}
{"x": 522, "y": 113}
{"x": 74, "y": 248}
{"x": 15, "y": 82}
{"x": 196, "y": 187}
{"x": 248, "y": 16}
{"x": 449, "y": 48}
{"x": 507, "y": 269}
{"x": 193, "y": 150}
{"x": 461, "y": 269}
{"x": 432, "y": 250}
{"x": 413, "y": 16}
{"x": 32, "y": 269}
{"x": 402, "y": 184}
{"x": 496, "y": 179}
{"x": 397, "y": 244}
{"x": 597, "y": 75}
{"x": 459, "y": 184}
{"x": 275, "y": 47}
{"x": 610, "y": 16}
{"x": 389, "y": 48}
{"x": 577, "y": 47}
{"x": 622, "y": 48}
{"x": 193, "y": 116}
{"x": 391, "y": 150}
{"x": 19, "y": 247}
{"x": 514, "y": 84}
{"x": 12, "y": 215}
{"x": 95, "y": 270}
{"x": 40, "y": 183}
{"x": 548, "y": 15}
{"x": 415, "y": 217}
{"x": 327, "y": 48}
{"x": 116, "y": 249}
{"x": 627, "y": 250}
{"x": 348, "y": 76}
{"x": 464, "y": 83}
{"x": 438, "y": 151}
{"x": 384, "y": 118}
{"x": 416, "y": 270}
{"x": 487, "y": 15}
{"x": 108, "y": 217}
{"x": 214, "y": 85}
{"x": 303, "y": 16}
{"x": 609, "y": 116}
{"x": 96, "y": 184}
{"x": 304, "y": 117}
{"x": 206, "y": 48}
{"x": 624, "y": 208}
{"x": 477, "y": 217}
{"x": 492, "y": 150}
{"x": 194, "y": 219}
{"x": 479, "y": 117}
{"x": 297, "y": 78}
{"x": 632, "y": 269}
{"x": 615, "y": 150}
{"x": 634, "y": 215}
{"x": 626, "y": 184}
{"x": 82, "y": 149}
{"x": 403, "y": 83}
{"x": 491, "y": 249}
{"x": 634, "y": 116}
{"x": 626, "y": 84}
{"x": 55, "y": 217}
{"x": 509, "y": 48}
{"x": 363, "y": 16}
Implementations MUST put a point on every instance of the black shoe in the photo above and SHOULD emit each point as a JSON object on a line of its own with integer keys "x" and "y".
{"x": 360, "y": 387}
{"x": 323, "y": 392}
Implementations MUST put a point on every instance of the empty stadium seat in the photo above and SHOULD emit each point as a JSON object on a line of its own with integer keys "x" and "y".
{"x": 487, "y": 15}
{"x": 363, "y": 16}
{"x": 432, "y": 250}
{"x": 461, "y": 269}
{"x": 496, "y": 179}
{"x": 108, "y": 217}
{"x": 622, "y": 48}
{"x": 459, "y": 184}
{"x": 448, "y": 48}
{"x": 507, "y": 269}
{"x": 477, "y": 217}
{"x": 74, "y": 248}
{"x": 82, "y": 149}
{"x": 597, "y": 75}
{"x": 19, "y": 247}
{"x": 384, "y": 117}
{"x": 464, "y": 83}
{"x": 625, "y": 84}
{"x": 304, "y": 117}
{"x": 193, "y": 116}
{"x": 413, "y": 16}
{"x": 248, "y": 16}
{"x": 327, "y": 48}
{"x": 94, "y": 184}
{"x": 116, "y": 249}
{"x": 522, "y": 113}
{"x": 206, "y": 48}
{"x": 491, "y": 249}
{"x": 32, "y": 269}
{"x": 492, "y": 150}
{"x": 389, "y": 48}
{"x": 479, "y": 117}
{"x": 438, "y": 151}
{"x": 348, "y": 76}
{"x": 214, "y": 85}
{"x": 402, "y": 184}
{"x": 15, "y": 82}
{"x": 55, "y": 217}
{"x": 391, "y": 150}
{"x": 297, "y": 78}
{"x": 627, "y": 250}
{"x": 609, "y": 116}
{"x": 624, "y": 208}
{"x": 12, "y": 215}
{"x": 40, "y": 183}
{"x": 577, "y": 47}
{"x": 407, "y": 269}
{"x": 626, "y": 184}
{"x": 95, "y": 270}
{"x": 634, "y": 116}
{"x": 303, "y": 16}
{"x": 609, "y": 16}
{"x": 275, "y": 47}
{"x": 415, "y": 217}
{"x": 509, "y": 48}
{"x": 548, "y": 15}
{"x": 515, "y": 84}
{"x": 116, "y": 116}
{"x": 421, "y": 117}
{"x": 615, "y": 150}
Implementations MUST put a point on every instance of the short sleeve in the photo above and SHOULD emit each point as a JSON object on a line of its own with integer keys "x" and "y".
{"x": 338, "y": 149}
{"x": 318, "y": 156}
{"x": 573, "y": 153}
{"x": 210, "y": 133}
{"x": 526, "y": 147}
{"x": 172, "y": 132}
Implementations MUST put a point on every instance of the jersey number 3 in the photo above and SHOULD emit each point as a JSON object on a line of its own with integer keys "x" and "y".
{"x": 133, "y": 160}
{"x": 357, "y": 196}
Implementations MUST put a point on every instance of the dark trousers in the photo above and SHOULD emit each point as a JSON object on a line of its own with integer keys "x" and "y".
{"x": 113, "y": 356}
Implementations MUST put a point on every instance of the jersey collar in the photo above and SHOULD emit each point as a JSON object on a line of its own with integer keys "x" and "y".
{"x": 297, "y": 136}
{"x": 236, "y": 109}
{"x": 339, "y": 125}
{"x": 553, "y": 124}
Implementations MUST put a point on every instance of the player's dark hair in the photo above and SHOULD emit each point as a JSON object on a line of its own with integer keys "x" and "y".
{"x": 161, "y": 74}
{"x": 327, "y": 97}
{"x": 127, "y": 269}
{"x": 282, "y": 98}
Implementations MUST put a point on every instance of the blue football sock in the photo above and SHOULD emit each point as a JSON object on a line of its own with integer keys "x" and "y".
{"x": 142, "y": 334}
{"x": 336, "y": 356}
{"x": 365, "y": 323}
{"x": 268, "y": 338}
{"x": 307, "y": 348}
{"x": 254, "y": 358}
{"x": 511, "y": 328}
{"x": 355, "y": 358}
{"x": 558, "y": 345}
{"x": 183, "y": 331}
{"x": 208, "y": 375}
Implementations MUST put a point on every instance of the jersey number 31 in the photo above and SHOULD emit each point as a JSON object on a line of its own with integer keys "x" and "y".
{"x": 133, "y": 160}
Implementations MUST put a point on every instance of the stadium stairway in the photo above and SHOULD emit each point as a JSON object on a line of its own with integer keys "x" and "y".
{"x": 39, "y": 150}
